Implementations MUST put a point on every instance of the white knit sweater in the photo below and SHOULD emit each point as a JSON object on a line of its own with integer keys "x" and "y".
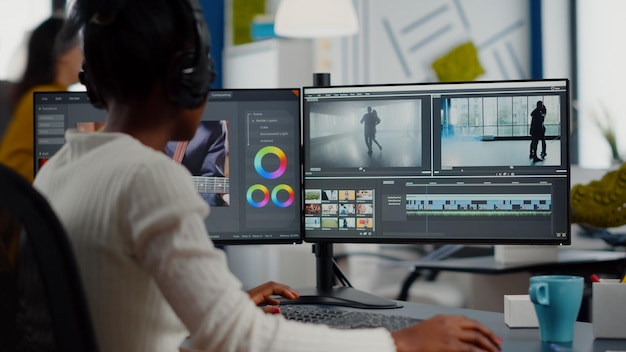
{"x": 151, "y": 274}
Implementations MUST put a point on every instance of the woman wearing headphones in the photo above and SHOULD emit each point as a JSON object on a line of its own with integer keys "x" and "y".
{"x": 151, "y": 274}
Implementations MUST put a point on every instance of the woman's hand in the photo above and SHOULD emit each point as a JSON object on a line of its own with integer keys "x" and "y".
{"x": 262, "y": 294}
{"x": 447, "y": 333}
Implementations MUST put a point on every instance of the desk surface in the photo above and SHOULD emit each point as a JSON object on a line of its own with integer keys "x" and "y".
{"x": 515, "y": 340}
{"x": 569, "y": 260}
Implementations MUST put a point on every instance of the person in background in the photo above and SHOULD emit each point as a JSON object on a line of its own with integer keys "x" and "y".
{"x": 152, "y": 276}
{"x": 370, "y": 120}
{"x": 53, "y": 64}
{"x": 537, "y": 131}
{"x": 544, "y": 151}
{"x": 5, "y": 112}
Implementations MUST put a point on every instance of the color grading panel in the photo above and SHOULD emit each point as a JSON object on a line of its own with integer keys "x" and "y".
{"x": 270, "y": 140}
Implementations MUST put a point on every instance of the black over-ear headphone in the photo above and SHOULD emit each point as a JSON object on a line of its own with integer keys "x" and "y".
{"x": 191, "y": 72}
{"x": 92, "y": 93}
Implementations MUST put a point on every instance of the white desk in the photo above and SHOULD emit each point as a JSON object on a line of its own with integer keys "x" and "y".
{"x": 515, "y": 340}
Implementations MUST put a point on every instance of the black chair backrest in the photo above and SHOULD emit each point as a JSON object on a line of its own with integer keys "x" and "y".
{"x": 45, "y": 300}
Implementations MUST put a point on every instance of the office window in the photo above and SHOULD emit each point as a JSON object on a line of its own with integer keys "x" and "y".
{"x": 459, "y": 117}
{"x": 520, "y": 116}
{"x": 17, "y": 19}
{"x": 476, "y": 116}
{"x": 507, "y": 116}
{"x": 490, "y": 117}
{"x": 553, "y": 117}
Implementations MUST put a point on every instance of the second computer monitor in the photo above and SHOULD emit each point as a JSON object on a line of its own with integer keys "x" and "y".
{"x": 474, "y": 162}
{"x": 244, "y": 158}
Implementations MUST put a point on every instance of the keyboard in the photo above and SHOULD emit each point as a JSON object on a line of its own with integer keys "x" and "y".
{"x": 343, "y": 319}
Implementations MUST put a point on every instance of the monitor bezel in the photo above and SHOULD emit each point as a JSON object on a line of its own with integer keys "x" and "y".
{"x": 226, "y": 241}
{"x": 434, "y": 240}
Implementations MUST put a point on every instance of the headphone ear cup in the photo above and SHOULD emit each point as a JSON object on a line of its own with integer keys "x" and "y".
{"x": 191, "y": 72}
{"x": 175, "y": 78}
{"x": 188, "y": 81}
{"x": 92, "y": 92}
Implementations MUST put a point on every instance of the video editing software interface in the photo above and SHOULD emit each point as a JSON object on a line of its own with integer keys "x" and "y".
{"x": 245, "y": 157}
{"x": 437, "y": 162}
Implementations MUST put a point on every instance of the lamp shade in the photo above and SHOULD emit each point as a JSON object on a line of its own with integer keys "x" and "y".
{"x": 316, "y": 18}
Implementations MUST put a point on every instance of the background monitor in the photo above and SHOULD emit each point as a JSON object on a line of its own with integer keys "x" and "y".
{"x": 245, "y": 157}
{"x": 436, "y": 163}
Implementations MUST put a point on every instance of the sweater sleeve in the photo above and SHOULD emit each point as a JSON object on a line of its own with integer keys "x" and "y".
{"x": 171, "y": 242}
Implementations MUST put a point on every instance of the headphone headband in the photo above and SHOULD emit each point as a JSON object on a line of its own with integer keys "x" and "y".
{"x": 191, "y": 73}
{"x": 193, "y": 70}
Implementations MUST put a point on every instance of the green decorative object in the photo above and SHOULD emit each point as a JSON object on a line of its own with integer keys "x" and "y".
{"x": 460, "y": 64}
{"x": 243, "y": 14}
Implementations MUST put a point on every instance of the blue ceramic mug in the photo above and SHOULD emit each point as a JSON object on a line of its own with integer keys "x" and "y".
{"x": 557, "y": 300}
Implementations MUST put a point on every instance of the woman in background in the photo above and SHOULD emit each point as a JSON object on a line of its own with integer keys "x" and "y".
{"x": 151, "y": 274}
{"x": 53, "y": 64}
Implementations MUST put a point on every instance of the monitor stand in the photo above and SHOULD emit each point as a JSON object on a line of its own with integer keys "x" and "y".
{"x": 328, "y": 294}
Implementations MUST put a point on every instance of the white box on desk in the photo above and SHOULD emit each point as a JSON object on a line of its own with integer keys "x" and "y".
{"x": 608, "y": 310}
{"x": 519, "y": 312}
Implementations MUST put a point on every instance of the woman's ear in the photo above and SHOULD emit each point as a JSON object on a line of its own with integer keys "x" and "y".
{"x": 69, "y": 64}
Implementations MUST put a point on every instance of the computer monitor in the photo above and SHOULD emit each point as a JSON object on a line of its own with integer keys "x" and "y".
{"x": 437, "y": 163}
{"x": 245, "y": 158}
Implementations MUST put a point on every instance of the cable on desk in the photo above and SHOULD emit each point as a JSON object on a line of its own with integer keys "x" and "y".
{"x": 340, "y": 275}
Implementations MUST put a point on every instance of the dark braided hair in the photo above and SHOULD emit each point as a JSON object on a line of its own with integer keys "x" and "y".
{"x": 129, "y": 44}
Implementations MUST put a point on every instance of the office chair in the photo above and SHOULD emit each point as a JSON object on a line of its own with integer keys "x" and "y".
{"x": 42, "y": 299}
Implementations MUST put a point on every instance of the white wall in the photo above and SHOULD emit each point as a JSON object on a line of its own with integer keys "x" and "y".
{"x": 601, "y": 76}
{"x": 17, "y": 19}
{"x": 557, "y": 50}
{"x": 399, "y": 40}
{"x": 273, "y": 63}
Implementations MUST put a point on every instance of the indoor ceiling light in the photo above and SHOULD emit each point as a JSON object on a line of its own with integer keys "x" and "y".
{"x": 315, "y": 18}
